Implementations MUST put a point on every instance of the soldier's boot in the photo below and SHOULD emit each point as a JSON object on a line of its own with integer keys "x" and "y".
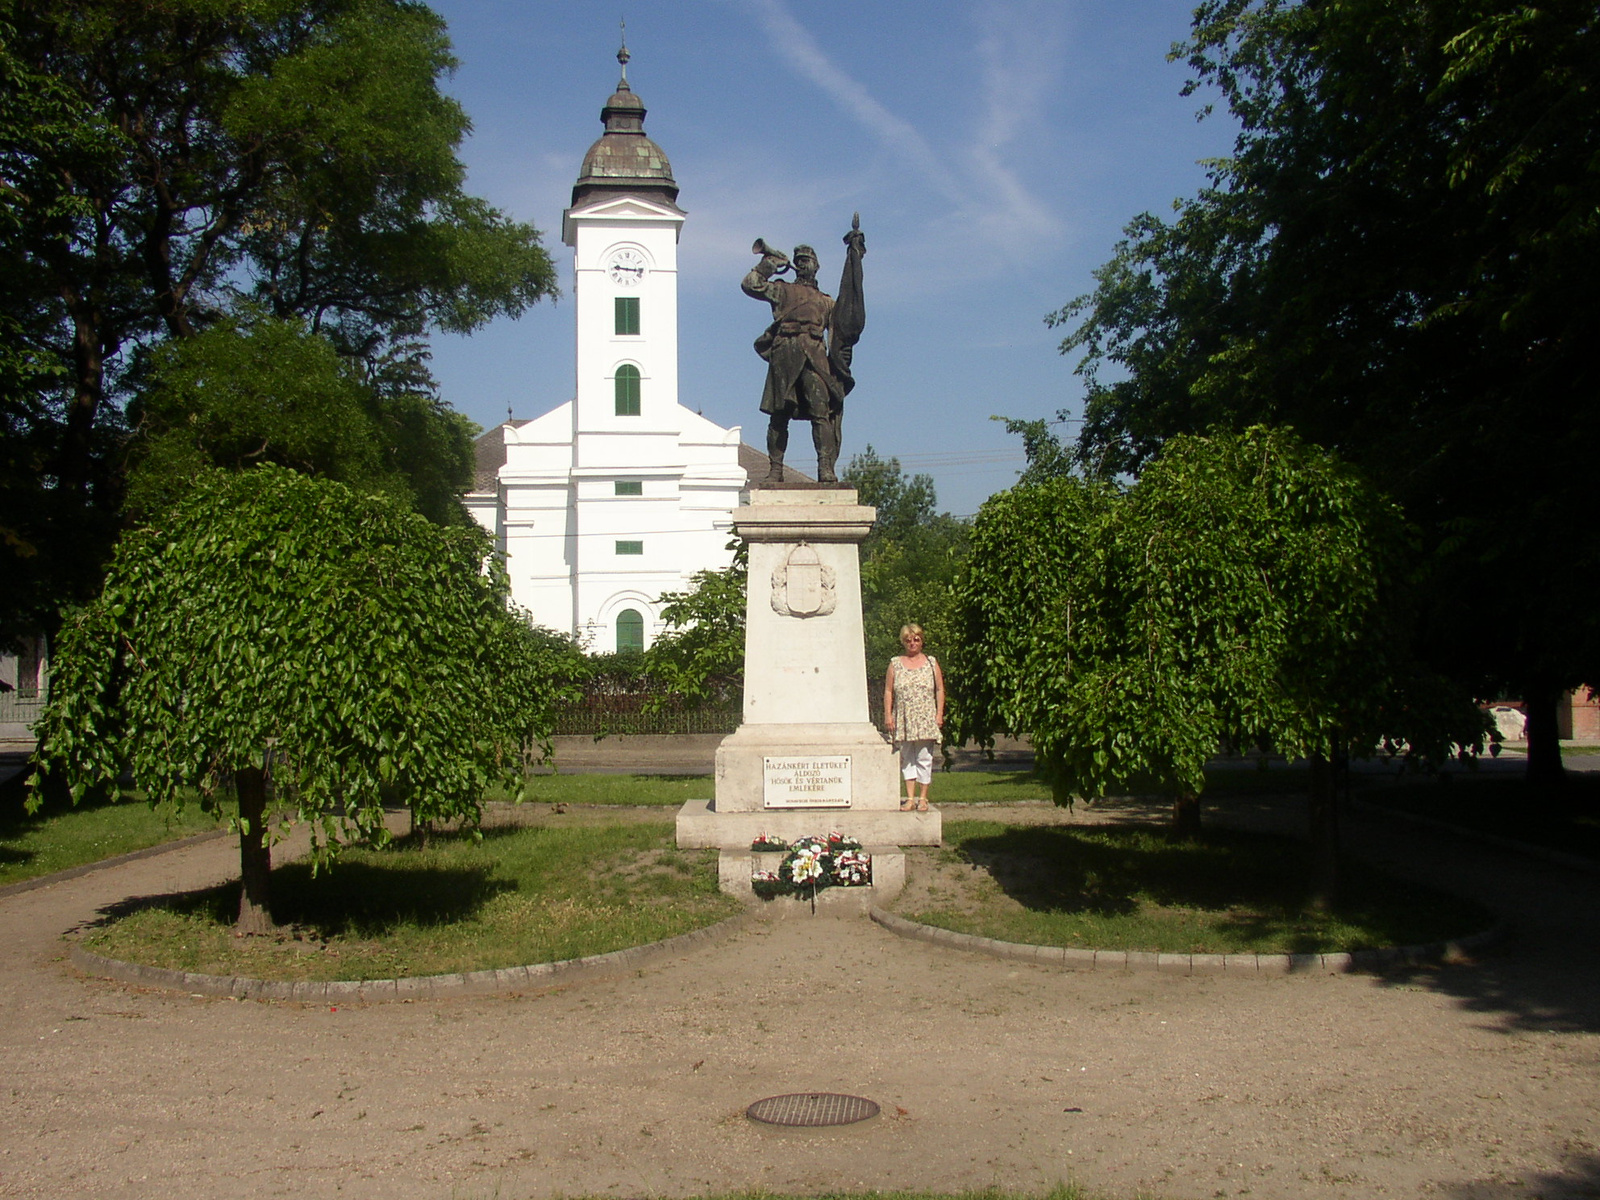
{"x": 825, "y": 436}
{"x": 777, "y": 443}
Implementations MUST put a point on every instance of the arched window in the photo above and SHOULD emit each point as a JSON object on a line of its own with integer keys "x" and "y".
{"x": 627, "y": 390}
{"x": 630, "y": 630}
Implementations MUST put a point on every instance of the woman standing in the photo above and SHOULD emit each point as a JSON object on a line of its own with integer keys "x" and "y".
{"x": 913, "y": 711}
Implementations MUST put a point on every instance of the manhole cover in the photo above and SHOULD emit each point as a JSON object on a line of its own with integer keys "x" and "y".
{"x": 811, "y": 1108}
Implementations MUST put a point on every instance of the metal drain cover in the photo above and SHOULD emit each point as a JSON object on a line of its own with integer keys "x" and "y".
{"x": 812, "y": 1109}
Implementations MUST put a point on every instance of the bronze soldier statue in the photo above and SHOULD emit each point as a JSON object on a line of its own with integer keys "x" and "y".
{"x": 807, "y": 348}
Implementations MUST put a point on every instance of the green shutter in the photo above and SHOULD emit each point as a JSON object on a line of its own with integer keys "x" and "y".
{"x": 630, "y": 631}
{"x": 627, "y": 390}
{"x": 630, "y": 547}
{"x": 630, "y": 487}
{"x": 628, "y": 315}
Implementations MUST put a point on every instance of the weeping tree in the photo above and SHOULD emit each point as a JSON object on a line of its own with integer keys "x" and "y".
{"x": 289, "y": 649}
{"x": 1247, "y": 591}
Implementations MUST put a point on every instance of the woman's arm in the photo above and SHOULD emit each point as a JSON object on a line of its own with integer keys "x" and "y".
{"x": 888, "y": 698}
{"x": 938, "y": 689}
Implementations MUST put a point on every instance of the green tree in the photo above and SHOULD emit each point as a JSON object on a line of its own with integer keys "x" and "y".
{"x": 699, "y": 657}
{"x": 1244, "y": 592}
{"x": 1396, "y": 261}
{"x": 238, "y": 395}
{"x": 276, "y": 636}
{"x": 50, "y": 544}
{"x": 165, "y": 161}
{"x": 909, "y": 561}
{"x": 256, "y": 388}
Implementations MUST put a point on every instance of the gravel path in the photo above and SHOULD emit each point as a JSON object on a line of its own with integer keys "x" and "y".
{"x": 1474, "y": 1082}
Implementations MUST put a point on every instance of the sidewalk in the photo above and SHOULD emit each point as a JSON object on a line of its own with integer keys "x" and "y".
{"x": 695, "y": 754}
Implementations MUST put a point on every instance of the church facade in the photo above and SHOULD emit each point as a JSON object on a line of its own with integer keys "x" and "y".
{"x": 621, "y": 494}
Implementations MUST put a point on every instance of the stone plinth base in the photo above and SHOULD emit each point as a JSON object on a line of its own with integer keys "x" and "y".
{"x": 874, "y": 765}
{"x": 734, "y": 868}
{"x": 701, "y": 825}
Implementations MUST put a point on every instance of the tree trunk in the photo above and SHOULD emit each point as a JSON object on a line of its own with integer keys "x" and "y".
{"x": 73, "y": 462}
{"x": 1545, "y": 769}
{"x": 1186, "y": 815}
{"x": 255, "y": 856}
{"x": 1324, "y": 820}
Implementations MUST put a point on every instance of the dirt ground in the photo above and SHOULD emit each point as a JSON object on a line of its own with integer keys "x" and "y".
{"x": 1475, "y": 1081}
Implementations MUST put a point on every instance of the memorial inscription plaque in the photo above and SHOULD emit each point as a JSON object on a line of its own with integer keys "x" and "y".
{"x": 806, "y": 781}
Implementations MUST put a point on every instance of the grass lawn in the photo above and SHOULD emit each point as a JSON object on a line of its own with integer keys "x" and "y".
{"x": 60, "y": 836}
{"x": 520, "y": 895}
{"x": 663, "y": 791}
{"x": 1568, "y": 821}
{"x": 1120, "y": 888}
{"x": 949, "y": 787}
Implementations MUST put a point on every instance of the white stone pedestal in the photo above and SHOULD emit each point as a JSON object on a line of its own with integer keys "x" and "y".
{"x": 807, "y": 758}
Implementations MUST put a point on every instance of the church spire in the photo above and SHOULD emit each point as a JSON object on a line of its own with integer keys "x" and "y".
{"x": 624, "y": 159}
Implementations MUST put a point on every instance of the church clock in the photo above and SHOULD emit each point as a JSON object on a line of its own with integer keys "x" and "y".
{"x": 626, "y": 266}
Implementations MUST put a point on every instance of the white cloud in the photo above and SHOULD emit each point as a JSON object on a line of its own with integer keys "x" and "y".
{"x": 988, "y": 200}
{"x": 800, "y": 50}
{"x": 1019, "y": 52}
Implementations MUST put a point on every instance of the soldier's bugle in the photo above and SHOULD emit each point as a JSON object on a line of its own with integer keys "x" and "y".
{"x": 767, "y": 251}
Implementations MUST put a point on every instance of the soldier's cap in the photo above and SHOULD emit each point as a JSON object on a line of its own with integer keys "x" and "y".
{"x": 804, "y": 249}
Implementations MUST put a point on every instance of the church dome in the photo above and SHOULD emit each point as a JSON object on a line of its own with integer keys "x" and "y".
{"x": 624, "y": 159}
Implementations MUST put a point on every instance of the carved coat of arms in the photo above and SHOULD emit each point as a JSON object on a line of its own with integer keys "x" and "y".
{"x": 802, "y": 586}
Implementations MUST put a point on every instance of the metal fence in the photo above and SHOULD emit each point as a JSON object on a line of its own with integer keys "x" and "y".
{"x": 622, "y": 714}
{"x": 18, "y": 709}
{"x": 613, "y": 715}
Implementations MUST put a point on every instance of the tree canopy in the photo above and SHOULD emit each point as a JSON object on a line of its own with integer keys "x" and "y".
{"x": 699, "y": 657}
{"x": 271, "y": 630}
{"x": 1397, "y": 261}
{"x": 908, "y": 562}
{"x": 255, "y": 388}
{"x": 164, "y": 163}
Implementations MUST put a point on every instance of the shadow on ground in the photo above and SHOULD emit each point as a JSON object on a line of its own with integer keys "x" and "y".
{"x": 1580, "y": 1179}
{"x": 1544, "y": 976}
{"x": 352, "y": 898}
{"x": 1254, "y": 883}
{"x": 1536, "y": 981}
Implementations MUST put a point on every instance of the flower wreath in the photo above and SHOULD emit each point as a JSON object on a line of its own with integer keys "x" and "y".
{"x": 811, "y": 864}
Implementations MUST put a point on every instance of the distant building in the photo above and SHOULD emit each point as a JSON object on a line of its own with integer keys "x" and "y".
{"x": 1578, "y": 717}
{"x": 622, "y": 493}
{"x": 24, "y": 686}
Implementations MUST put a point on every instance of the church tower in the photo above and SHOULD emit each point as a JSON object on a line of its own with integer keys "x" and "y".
{"x": 623, "y": 227}
{"x": 621, "y": 494}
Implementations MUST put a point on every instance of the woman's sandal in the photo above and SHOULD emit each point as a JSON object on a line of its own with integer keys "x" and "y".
{"x": 906, "y": 806}
{"x": 922, "y": 805}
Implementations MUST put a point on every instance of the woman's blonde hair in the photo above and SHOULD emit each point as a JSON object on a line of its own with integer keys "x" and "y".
{"x": 907, "y": 630}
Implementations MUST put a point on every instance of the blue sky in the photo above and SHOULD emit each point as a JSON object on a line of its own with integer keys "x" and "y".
{"x": 994, "y": 148}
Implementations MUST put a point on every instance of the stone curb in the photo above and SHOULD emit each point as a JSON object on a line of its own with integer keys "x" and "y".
{"x": 1231, "y": 965}
{"x": 116, "y": 860}
{"x": 1560, "y": 857}
{"x": 417, "y": 987}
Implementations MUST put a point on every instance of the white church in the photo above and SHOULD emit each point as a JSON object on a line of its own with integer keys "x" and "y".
{"x": 604, "y": 503}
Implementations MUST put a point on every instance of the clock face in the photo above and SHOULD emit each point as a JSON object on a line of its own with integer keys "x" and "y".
{"x": 626, "y": 266}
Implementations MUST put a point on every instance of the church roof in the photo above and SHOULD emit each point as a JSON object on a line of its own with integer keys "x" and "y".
{"x": 489, "y": 455}
{"x": 624, "y": 159}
